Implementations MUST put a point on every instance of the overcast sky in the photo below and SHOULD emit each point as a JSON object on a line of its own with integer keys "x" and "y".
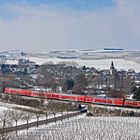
{"x": 69, "y": 24}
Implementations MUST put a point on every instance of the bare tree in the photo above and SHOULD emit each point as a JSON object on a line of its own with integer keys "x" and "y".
{"x": 37, "y": 114}
{"x": 4, "y": 118}
{"x": 61, "y": 110}
{"x": 127, "y": 84}
{"x": 16, "y": 116}
{"x": 47, "y": 113}
{"x": 42, "y": 97}
{"x": 80, "y": 83}
{"x": 4, "y": 122}
{"x": 27, "y": 116}
{"x": 54, "y": 111}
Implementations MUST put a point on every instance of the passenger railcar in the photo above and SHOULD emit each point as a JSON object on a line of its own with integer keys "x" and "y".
{"x": 108, "y": 101}
{"x": 131, "y": 103}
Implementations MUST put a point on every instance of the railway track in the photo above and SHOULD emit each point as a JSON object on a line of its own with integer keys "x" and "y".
{"x": 72, "y": 97}
{"x": 68, "y": 101}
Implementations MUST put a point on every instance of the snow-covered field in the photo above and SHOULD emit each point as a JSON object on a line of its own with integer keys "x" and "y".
{"x": 99, "y": 59}
{"x": 2, "y": 108}
{"x": 98, "y": 64}
{"x": 85, "y": 128}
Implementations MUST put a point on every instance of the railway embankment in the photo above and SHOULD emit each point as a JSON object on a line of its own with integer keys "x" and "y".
{"x": 104, "y": 111}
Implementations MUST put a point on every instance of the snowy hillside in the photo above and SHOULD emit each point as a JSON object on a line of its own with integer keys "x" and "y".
{"x": 100, "y": 59}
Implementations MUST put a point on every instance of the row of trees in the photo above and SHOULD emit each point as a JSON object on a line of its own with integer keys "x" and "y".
{"x": 10, "y": 117}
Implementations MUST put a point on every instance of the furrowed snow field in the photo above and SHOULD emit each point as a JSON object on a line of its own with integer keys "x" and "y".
{"x": 85, "y": 128}
{"x": 98, "y": 64}
{"x": 100, "y": 59}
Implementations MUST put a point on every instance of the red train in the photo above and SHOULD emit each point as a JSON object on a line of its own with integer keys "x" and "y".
{"x": 70, "y": 97}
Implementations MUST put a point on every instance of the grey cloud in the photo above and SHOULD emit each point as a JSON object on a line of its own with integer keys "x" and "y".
{"x": 46, "y": 28}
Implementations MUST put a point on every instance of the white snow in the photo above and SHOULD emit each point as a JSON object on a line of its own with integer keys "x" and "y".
{"x": 98, "y": 59}
{"x": 98, "y": 64}
{"x": 3, "y": 108}
{"x": 12, "y": 62}
{"x": 34, "y": 119}
{"x": 86, "y": 128}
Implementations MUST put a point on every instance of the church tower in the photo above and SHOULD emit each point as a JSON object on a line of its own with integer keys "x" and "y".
{"x": 112, "y": 69}
{"x": 115, "y": 79}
